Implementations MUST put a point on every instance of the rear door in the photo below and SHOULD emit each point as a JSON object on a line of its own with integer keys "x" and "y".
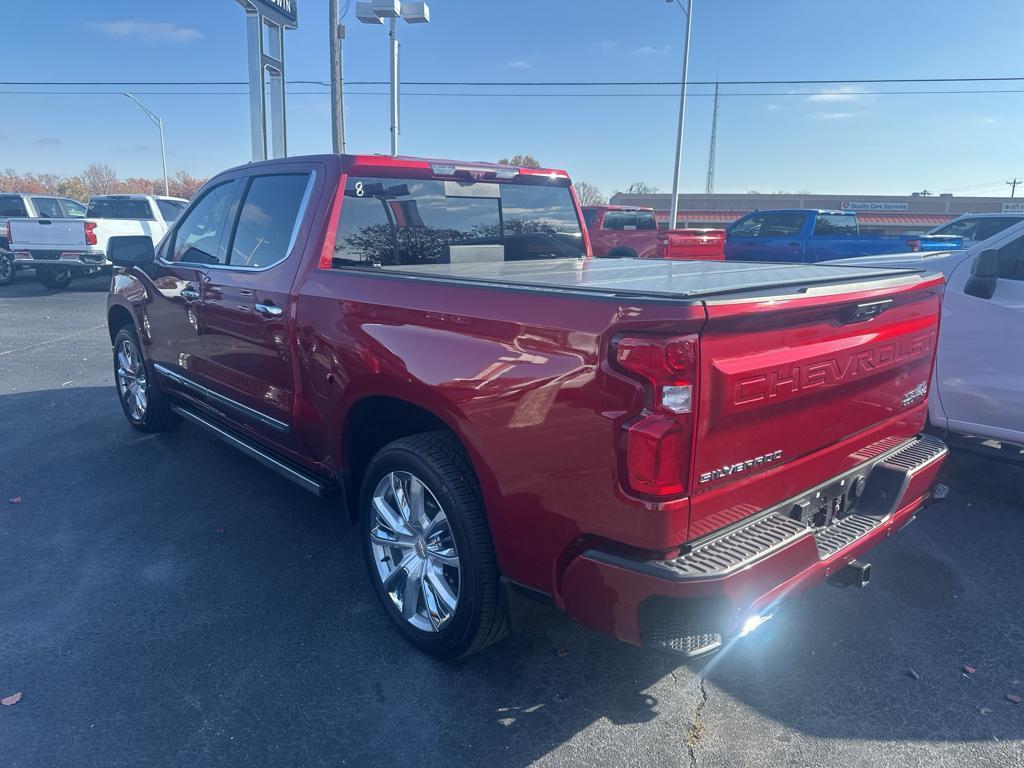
{"x": 48, "y": 207}
{"x": 980, "y": 370}
{"x": 785, "y": 380}
{"x": 742, "y": 237}
{"x": 246, "y": 303}
{"x": 781, "y": 237}
{"x": 832, "y": 238}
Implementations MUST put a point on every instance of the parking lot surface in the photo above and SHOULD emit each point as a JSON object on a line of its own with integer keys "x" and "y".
{"x": 166, "y": 601}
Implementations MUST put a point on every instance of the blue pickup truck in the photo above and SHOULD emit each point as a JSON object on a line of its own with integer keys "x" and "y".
{"x": 809, "y": 235}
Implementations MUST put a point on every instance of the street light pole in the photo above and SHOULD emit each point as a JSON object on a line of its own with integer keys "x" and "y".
{"x": 674, "y": 216}
{"x": 394, "y": 87}
{"x": 337, "y": 30}
{"x": 160, "y": 125}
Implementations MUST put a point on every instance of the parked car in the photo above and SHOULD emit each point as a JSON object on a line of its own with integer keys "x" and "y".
{"x": 807, "y": 235}
{"x": 79, "y": 245}
{"x": 661, "y": 449}
{"x": 27, "y": 205}
{"x": 975, "y": 227}
{"x": 620, "y": 231}
{"x": 979, "y": 371}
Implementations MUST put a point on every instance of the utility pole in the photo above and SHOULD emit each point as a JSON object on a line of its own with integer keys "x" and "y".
{"x": 337, "y": 32}
{"x": 674, "y": 215}
{"x": 1013, "y": 186}
{"x": 709, "y": 185}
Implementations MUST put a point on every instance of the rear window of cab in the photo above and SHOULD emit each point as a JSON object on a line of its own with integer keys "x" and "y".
{"x": 401, "y": 222}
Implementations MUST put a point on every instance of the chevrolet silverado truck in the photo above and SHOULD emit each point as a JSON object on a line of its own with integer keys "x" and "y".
{"x": 60, "y": 248}
{"x": 26, "y": 205}
{"x": 978, "y": 381}
{"x": 621, "y": 231}
{"x": 662, "y": 449}
{"x": 808, "y": 235}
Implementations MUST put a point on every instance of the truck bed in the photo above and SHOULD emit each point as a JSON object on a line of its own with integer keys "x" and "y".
{"x": 656, "y": 279}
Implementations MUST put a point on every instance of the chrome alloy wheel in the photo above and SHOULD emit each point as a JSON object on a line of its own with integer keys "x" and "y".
{"x": 414, "y": 551}
{"x": 131, "y": 380}
{"x": 6, "y": 267}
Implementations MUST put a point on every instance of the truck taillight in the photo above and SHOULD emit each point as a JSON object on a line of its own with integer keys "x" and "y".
{"x": 914, "y": 244}
{"x": 8, "y": 228}
{"x": 90, "y": 233}
{"x": 658, "y": 441}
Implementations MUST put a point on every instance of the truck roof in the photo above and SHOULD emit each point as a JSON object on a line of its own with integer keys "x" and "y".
{"x": 418, "y": 167}
{"x": 828, "y": 211}
{"x": 133, "y": 196}
{"x": 610, "y": 207}
{"x": 658, "y": 279}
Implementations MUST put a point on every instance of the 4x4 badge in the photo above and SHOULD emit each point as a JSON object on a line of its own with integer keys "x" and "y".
{"x": 915, "y": 394}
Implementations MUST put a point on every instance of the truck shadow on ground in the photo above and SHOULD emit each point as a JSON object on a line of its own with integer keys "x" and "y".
{"x": 167, "y": 600}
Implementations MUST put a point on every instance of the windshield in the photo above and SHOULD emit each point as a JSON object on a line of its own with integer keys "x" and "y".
{"x": 390, "y": 222}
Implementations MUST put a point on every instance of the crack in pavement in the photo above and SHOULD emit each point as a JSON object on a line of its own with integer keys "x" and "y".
{"x": 696, "y": 724}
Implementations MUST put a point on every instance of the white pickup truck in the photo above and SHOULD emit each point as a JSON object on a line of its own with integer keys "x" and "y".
{"x": 61, "y": 248}
{"x": 22, "y": 205}
{"x": 978, "y": 384}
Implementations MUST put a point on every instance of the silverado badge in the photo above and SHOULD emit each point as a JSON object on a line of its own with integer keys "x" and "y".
{"x": 740, "y": 466}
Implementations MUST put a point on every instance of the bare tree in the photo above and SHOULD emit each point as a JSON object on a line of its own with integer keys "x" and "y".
{"x": 101, "y": 179}
{"x": 641, "y": 188}
{"x": 520, "y": 161}
{"x": 589, "y": 194}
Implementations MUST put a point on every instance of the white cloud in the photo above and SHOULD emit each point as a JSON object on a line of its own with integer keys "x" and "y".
{"x": 835, "y": 115}
{"x": 653, "y": 50}
{"x": 844, "y": 93}
{"x": 519, "y": 64}
{"x": 48, "y": 141}
{"x": 989, "y": 120}
{"x": 609, "y": 45}
{"x": 149, "y": 31}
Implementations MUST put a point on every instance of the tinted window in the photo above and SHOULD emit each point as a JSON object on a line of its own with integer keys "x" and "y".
{"x": 48, "y": 207}
{"x": 748, "y": 227}
{"x": 170, "y": 209}
{"x": 782, "y": 224}
{"x": 197, "y": 238}
{"x": 267, "y": 219}
{"x": 645, "y": 220}
{"x": 1011, "y": 260}
{"x": 12, "y": 205}
{"x": 73, "y": 209}
{"x": 836, "y": 224}
{"x": 617, "y": 220}
{"x": 992, "y": 226}
{"x": 589, "y": 216}
{"x": 386, "y": 222}
{"x": 963, "y": 228}
{"x": 107, "y": 208}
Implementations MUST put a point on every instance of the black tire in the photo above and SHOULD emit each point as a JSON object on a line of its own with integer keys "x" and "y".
{"x": 439, "y": 461}
{"x": 54, "y": 278}
{"x": 7, "y": 268}
{"x": 157, "y": 415}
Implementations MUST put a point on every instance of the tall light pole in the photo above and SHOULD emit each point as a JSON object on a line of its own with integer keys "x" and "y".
{"x": 160, "y": 125}
{"x": 375, "y": 12}
{"x": 688, "y": 13}
{"x": 337, "y": 78}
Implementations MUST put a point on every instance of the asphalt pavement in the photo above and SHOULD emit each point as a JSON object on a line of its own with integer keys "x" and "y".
{"x": 165, "y": 601}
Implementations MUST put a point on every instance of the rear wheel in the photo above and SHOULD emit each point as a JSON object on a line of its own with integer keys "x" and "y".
{"x": 428, "y": 548}
{"x": 55, "y": 278}
{"x": 7, "y": 268}
{"x": 143, "y": 404}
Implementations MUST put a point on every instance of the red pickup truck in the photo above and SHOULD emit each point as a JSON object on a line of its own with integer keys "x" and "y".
{"x": 661, "y": 449}
{"x": 622, "y": 231}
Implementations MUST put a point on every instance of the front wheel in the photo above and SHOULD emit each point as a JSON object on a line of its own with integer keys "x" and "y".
{"x": 7, "y": 268}
{"x": 143, "y": 404}
{"x": 428, "y": 547}
{"x": 54, "y": 278}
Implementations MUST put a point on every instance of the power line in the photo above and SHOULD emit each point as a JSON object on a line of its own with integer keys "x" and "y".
{"x": 534, "y": 83}
{"x": 1013, "y": 186}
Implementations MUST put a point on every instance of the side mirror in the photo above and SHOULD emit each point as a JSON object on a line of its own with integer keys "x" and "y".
{"x": 131, "y": 250}
{"x": 984, "y": 275}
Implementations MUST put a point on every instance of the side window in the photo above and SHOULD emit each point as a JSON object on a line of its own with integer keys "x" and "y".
{"x": 589, "y": 217}
{"x": 198, "y": 237}
{"x": 963, "y": 228}
{"x": 73, "y": 209}
{"x": 48, "y": 207}
{"x": 989, "y": 227}
{"x": 12, "y": 206}
{"x": 1011, "y": 260}
{"x": 748, "y": 227}
{"x": 617, "y": 220}
{"x": 645, "y": 220}
{"x": 268, "y": 219}
{"x": 170, "y": 209}
{"x": 783, "y": 225}
{"x": 836, "y": 225}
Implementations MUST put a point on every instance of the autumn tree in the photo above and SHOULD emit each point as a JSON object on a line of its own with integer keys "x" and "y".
{"x": 100, "y": 179}
{"x": 589, "y": 194}
{"x": 520, "y": 161}
{"x": 73, "y": 187}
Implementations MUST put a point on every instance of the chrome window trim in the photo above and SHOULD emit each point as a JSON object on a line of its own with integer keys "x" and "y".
{"x": 222, "y": 399}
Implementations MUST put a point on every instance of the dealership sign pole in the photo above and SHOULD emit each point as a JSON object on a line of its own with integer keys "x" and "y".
{"x": 266, "y": 21}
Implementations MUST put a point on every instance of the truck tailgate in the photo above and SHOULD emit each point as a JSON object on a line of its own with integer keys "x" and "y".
{"x": 45, "y": 234}
{"x": 782, "y": 379}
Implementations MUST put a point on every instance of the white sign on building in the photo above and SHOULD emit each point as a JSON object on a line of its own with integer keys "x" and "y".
{"x": 859, "y": 205}
{"x": 1013, "y": 207}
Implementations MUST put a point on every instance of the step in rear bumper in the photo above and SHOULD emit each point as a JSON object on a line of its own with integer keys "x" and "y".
{"x": 734, "y": 574}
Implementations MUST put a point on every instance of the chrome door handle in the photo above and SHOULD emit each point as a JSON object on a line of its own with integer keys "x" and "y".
{"x": 189, "y": 294}
{"x": 269, "y": 310}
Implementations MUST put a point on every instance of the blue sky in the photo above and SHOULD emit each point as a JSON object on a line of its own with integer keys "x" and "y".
{"x": 784, "y": 138}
